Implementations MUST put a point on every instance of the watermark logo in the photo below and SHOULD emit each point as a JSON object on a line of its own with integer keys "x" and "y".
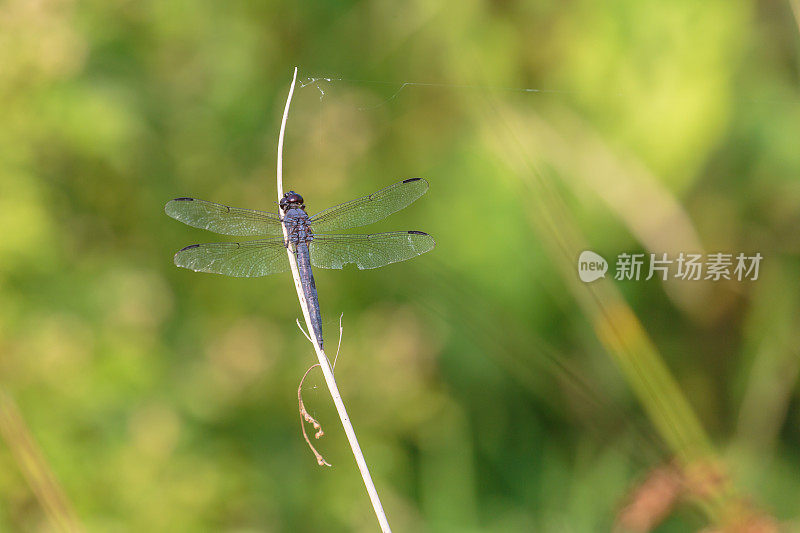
{"x": 591, "y": 266}
{"x": 685, "y": 266}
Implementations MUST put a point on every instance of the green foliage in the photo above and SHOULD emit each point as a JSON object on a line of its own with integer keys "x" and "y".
{"x": 475, "y": 375}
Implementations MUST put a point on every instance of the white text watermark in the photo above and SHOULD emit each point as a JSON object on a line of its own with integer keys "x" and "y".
{"x": 683, "y": 266}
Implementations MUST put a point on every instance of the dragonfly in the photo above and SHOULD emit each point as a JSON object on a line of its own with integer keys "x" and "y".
{"x": 307, "y": 237}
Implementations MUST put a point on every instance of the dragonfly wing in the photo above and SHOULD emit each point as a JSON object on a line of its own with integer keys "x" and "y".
{"x": 370, "y": 208}
{"x": 238, "y": 259}
{"x": 368, "y": 251}
{"x": 223, "y": 219}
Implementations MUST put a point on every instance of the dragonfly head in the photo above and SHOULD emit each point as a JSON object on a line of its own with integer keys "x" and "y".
{"x": 291, "y": 199}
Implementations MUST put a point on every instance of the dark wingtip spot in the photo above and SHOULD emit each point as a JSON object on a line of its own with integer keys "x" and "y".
{"x": 413, "y": 232}
{"x": 183, "y": 199}
{"x": 409, "y": 180}
{"x": 189, "y": 247}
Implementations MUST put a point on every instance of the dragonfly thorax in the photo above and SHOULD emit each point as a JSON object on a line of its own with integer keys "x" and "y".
{"x": 297, "y": 225}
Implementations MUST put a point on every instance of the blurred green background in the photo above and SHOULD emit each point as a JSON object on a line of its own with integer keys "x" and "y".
{"x": 165, "y": 400}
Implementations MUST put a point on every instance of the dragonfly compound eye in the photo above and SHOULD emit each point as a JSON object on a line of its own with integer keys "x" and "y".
{"x": 290, "y": 197}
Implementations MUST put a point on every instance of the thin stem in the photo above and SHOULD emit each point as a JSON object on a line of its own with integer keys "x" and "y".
{"x": 34, "y": 467}
{"x": 323, "y": 359}
{"x": 796, "y": 10}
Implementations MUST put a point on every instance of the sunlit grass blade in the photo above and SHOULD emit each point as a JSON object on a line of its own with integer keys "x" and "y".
{"x": 617, "y": 327}
{"x": 34, "y": 467}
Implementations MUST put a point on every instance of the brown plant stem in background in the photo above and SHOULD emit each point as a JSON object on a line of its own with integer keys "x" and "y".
{"x": 651, "y": 501}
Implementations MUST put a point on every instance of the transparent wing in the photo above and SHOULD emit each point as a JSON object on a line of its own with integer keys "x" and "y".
{"x": 368, "y": 251}
{"x": 370, "y": 208}
{"x": 238, "y": 259}
{"x": 223, "y": 219}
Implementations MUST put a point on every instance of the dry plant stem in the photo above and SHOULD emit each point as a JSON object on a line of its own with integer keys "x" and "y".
{"x": 306, "y": 417}
{"x": 321, "y": 357}
{"x": 34, "y": 467}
